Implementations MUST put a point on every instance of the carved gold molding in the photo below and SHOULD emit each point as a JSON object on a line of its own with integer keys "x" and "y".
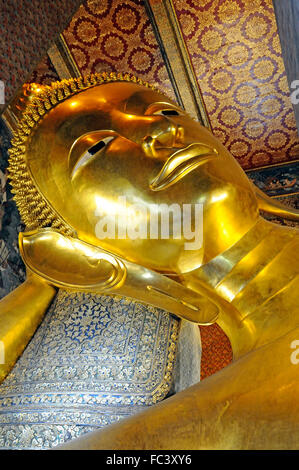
{"x": 175, "y": 54}
{"x": 62, "y": 59}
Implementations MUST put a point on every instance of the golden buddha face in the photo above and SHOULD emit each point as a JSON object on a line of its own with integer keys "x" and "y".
{"x": 122, "y": 145}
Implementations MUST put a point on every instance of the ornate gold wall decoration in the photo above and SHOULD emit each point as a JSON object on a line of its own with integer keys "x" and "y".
{"x": 177, "y": 60}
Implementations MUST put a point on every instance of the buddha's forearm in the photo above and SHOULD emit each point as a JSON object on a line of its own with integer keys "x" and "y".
{"x": 20, "y": 313}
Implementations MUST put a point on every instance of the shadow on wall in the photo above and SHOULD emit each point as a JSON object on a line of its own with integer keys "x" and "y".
{"x": 12, "y": 269}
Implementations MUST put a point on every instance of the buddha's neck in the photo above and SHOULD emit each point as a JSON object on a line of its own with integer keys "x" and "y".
{"x": 248, "y": 276}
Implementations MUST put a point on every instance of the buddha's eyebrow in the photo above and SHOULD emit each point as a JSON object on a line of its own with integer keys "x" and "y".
{"x": 90, "y": 152}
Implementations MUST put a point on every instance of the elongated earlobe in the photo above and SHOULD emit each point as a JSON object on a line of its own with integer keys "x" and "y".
{"x": 274, "y": 207}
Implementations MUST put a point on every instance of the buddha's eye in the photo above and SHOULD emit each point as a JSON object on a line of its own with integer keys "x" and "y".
{"x": 93, "y": 150}
{"x": 167, "y": 112}
{"x": 100, "y": 145}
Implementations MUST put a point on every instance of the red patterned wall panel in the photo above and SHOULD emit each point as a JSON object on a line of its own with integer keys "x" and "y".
{"x": 216, "y": 350}
{"x": 115, "y": 36}
{"x": 235, "y": 51}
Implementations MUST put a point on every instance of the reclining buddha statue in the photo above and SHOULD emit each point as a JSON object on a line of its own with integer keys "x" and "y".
{"x": 140, "y": 225}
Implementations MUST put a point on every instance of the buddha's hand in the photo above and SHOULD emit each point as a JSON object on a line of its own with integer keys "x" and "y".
{"x": 76, "y": 265}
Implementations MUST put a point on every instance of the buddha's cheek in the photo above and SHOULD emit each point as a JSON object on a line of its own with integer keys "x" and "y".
{"x": 133, "y": 227}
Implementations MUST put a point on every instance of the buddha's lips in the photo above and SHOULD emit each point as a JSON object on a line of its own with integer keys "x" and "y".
{"x": 180, "y": 163}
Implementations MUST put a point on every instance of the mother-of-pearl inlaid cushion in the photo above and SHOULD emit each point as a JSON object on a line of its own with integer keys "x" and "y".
{"x": 93, "y": 360}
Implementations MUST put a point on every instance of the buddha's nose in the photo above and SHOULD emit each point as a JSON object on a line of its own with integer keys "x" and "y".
{"x": 162, "y": 139}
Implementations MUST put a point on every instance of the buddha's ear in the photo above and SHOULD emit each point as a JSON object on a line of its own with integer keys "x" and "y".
{"x": 68, "y": 262}
{"x": 274, "y": 207}
{"x": 73, "y": 264}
